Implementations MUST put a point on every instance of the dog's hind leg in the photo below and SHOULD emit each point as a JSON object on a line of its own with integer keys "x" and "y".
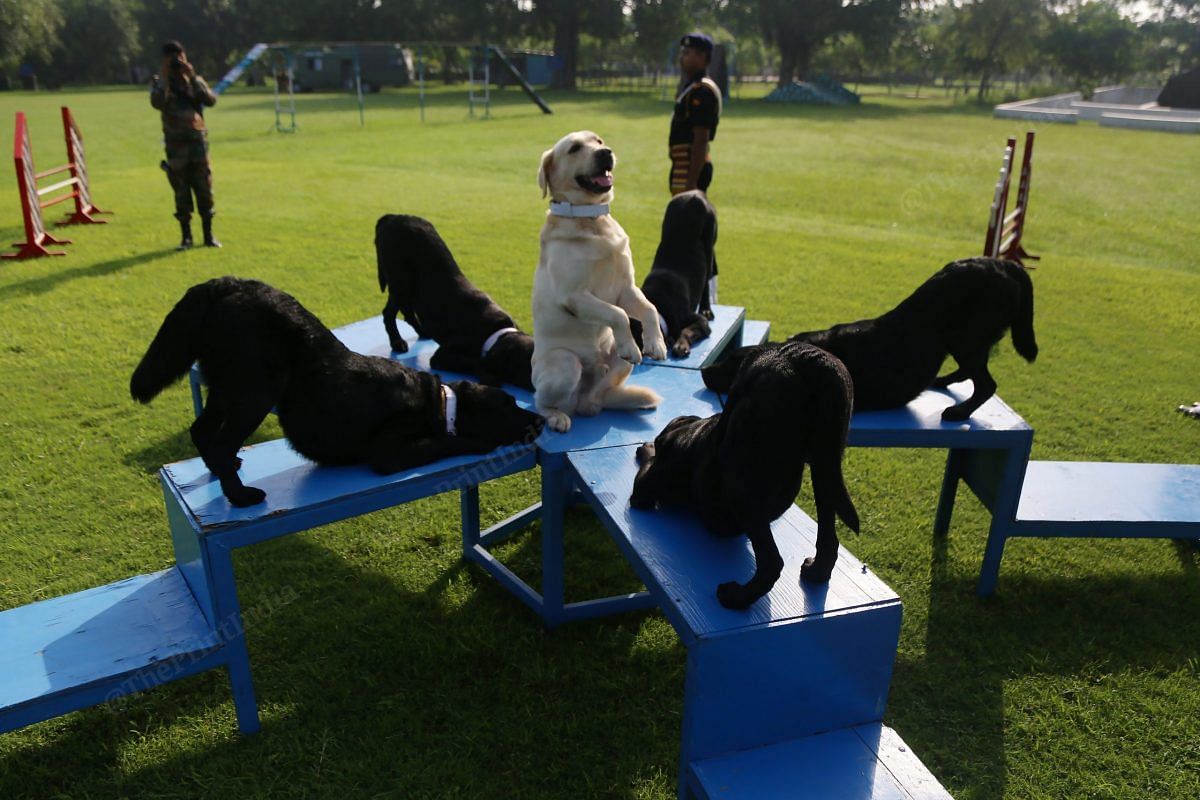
{"x": 556, "y": 377}
{"x": 389, "y": 323}
{"x": 613, "y": 392}
{"x": 832, "y": 500}
{"x": 219, "y": 435}
{"x": 974, "y": 367}
{"x": 768, "y": 565}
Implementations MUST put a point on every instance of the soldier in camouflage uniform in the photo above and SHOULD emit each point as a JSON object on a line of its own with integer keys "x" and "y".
{"x": 180, "y": 94}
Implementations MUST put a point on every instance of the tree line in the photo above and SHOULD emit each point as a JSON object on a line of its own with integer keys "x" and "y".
{"x": 1076, "y": 43}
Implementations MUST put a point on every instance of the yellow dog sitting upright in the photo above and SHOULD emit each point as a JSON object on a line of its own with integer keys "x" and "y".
{"x": 584, "y": 292}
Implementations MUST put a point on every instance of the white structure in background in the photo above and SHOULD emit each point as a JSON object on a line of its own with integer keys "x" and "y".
{"x": 1114, "y": 106}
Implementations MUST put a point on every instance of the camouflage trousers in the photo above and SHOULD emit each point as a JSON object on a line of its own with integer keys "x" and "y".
{"x": 189, "y": 171}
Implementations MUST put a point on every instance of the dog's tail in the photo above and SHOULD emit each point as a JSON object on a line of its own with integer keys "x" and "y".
{"x": 382, "y": 254}
{"x": 829, "y": 488}
{"x": 629, "y": 397}
{"x": 1022, "y": 327}
{"x": 174, "y": 347}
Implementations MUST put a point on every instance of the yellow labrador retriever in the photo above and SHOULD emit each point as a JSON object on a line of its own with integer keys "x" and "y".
{"x": 584, "y": 292}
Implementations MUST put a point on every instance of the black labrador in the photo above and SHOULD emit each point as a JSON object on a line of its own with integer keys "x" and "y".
{"x": 962, "y": 311}
{"x": 678, "y": 282}
{"x": 424, "y": 282}
{"x": 740, "y": 470}
{"x": 260, "y": 349}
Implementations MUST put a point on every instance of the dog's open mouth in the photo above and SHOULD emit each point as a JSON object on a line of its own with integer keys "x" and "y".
{"x": 599, "y": 183}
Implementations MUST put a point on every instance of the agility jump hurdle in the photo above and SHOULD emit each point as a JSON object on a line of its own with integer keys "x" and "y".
{"x": 36, "y": 237}
{"x": 1004, "y": 230}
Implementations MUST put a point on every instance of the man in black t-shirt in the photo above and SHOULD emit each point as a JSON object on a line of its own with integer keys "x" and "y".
{"x": 697, "y": 113}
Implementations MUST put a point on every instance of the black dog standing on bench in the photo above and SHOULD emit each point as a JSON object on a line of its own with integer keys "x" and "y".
{"x": 678, "y": 282}
{"x": 740, "y": 470}
{"x": 423, "y": 281}
{"x": 962, "y": 311}
{"x": 260, "y": 349}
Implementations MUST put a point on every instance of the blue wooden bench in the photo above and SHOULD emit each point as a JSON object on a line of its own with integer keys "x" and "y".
{"x": 367, "y": 336}
{"x": 762, "y": 683}
{"x": 1083, "y": 498}
{"x": 91, "y": 647}
{"x": 206, "y": 529}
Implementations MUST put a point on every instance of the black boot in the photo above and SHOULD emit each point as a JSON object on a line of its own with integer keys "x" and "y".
{"x": 209, "y": 240}
{"x": 185, "y": 227}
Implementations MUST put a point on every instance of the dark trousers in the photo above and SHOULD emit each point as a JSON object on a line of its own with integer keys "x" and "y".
{"x": 189, "y": 172}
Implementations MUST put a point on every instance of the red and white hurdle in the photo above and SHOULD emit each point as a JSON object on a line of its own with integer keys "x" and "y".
{"x": 1006, "y": 228}
{"x": 32, "y": 202}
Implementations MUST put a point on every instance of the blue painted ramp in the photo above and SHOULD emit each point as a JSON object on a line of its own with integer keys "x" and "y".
{"x": 81, "y": 649}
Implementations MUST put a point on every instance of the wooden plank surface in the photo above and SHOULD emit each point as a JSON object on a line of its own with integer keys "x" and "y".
{"x": 868, "y": 762}
{"x": 1083, "y": 491}
{"x": 688, "y": 563}
{"x": 55, "y": 646}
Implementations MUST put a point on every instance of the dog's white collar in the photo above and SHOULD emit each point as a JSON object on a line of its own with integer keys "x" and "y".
{"x": 450, "y": 399}
{"x": 569, "y": 210}
{"x": 495, "y": 337}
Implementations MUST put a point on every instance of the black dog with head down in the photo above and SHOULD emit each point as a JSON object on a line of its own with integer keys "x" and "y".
{"x": 423, "y": 281}
{"x": 677, "y": 284}
{"x": 260, "y": 349}
{"x": 962, "y": 311}
{"x": 740, "y": 470}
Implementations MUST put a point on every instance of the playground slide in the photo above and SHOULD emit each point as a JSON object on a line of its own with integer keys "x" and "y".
{"x": 240, "y": 67}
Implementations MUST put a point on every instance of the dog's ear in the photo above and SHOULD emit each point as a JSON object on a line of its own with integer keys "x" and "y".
{"x": 544, "y": 171}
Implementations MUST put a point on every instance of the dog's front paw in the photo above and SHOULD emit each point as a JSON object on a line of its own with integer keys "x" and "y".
{"x": 813, "y": 571}
{"x": 244, "y": 496}
{"x": 734, "y": 595}
{"x": 398, "y": 345}
{"x": 956, "y": 414}
{"x": 707, "y": 313}
{"x": 557, "y": 421}
{"x": 628, "y": 351}
{"x": 682, "y": 348}
{"x": 656, "y": 350}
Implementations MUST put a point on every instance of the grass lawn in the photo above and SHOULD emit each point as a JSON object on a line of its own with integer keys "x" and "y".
{"x": 387, "y": 668}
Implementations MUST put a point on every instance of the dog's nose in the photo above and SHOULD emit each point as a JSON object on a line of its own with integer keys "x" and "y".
{"x": 604, "y": 157}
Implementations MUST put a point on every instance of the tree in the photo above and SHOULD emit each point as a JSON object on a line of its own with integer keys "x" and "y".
{"x": 603, "y": 19}
{"x": 97, "y": 42}
{"x": 799, "y": 27}
{"x": 1172, "y": 35}
{"x": 1093, "y": 43}
{"x": 990, "y": 37}
{"x": 28, "y": 29}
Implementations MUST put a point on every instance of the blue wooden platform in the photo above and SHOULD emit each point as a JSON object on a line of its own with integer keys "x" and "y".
{"x": 865, "y": 762}
{"x": 70, "y": 652}
{"x": 801, "y": 660}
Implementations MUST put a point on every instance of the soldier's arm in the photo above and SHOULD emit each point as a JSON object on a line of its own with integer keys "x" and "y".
{"x": 203, "y": 92}
{"x": 158, "y": 94}
{"x": 697, "y": 155}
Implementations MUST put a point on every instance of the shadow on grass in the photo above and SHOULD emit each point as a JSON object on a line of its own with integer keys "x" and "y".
{"x": 179, "y": 447}
{"x": 381, "y": 685}
{"x": 953, "y": 710}
{"x": 47, "y": 283}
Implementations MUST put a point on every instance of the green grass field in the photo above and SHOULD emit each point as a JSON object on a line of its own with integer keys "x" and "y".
{"x": 384, "y": 667}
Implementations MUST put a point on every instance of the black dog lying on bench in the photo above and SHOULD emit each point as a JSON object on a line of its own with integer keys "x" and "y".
{"x": 962, "y": 311}
{"x": 678, "y": 281}
{"x": 740, "y": 470}
{"x": 260, "y": 349}
{"x": 423, "y": 281}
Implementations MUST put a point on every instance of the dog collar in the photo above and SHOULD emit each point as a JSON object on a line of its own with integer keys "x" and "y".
{"x": 662, "y": 325}
{"x": 569, "y": 210}
{"x": 495, "y": 337}
{"x": 450, "y": 409}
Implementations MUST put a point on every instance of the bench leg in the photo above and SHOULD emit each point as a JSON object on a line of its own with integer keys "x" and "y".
{"x": 556, "y": 491}
{"x": 232, "y": 631}
{"x": 469, "y": 506}
{"x": 1004, "y": 515}
{"x": 945, "y": 506}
